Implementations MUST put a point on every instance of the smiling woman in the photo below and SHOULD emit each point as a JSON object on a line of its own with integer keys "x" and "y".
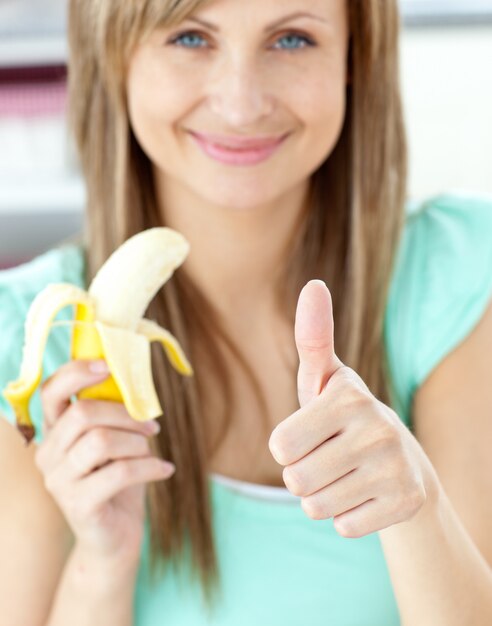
{"x": 271, "y": 136}
{"x": 240, "y": 82}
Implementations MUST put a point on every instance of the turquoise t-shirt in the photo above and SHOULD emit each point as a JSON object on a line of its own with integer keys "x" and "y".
{"x": 278, "y": 566}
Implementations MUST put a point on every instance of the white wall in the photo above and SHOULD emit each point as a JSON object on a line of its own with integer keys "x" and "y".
{"x": 447, "y": 87}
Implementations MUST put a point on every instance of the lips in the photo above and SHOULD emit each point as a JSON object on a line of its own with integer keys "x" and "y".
{"x": 238, "y": 151}
{"x": 240, "y": 143}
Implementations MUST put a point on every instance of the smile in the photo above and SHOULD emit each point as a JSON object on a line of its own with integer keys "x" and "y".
{"x": 250, "y": 155}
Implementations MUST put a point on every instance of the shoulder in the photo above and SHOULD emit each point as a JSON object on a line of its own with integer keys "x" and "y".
{"x": 443, "y": 226}
{"x": 441, "y": 285}
{"x": 20, "y": 284}
{"x": 65, "y": 262}
{"x": 449, "y": 223}
{"x": 453, "y": 249}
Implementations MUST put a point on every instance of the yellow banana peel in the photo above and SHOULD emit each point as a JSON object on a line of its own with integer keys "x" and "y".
{"x": 108, "y": 324}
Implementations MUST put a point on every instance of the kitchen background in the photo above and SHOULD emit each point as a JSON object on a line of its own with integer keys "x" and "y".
{"x": 446, "y": 63}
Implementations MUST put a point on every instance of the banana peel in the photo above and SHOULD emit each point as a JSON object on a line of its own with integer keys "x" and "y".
{"x": 108, "y": 324}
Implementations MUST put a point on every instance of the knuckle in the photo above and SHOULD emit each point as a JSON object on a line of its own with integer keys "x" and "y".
{"x": 402, "y": 484}
{"x": 99, "y": 440}
{"x": 77, "y": 410}
{"x": 280, "y": 447}
{"x": 143, "y": 445}
{"x": 44, "y": 401}
{"x": 155, "y": 464}
{"x": 293, "y": 481}
{"x": 313, "y": 508}
{"x": 345, "y": 528}
{"x": 383, "y": 435}
{"x": 45, "y": 389}
{"x": 48, "y": 388}
{"x": 358, "y": 402}
{"x": 415, "y": 499}
{"x": 120, "y": 471}
{"x": 344, "y": 379}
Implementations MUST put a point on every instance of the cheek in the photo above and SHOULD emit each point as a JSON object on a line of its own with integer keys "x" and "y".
{"x": 320, "y": 103}
{"x": 322, "y": 95}
{"x": 157, "y": 98}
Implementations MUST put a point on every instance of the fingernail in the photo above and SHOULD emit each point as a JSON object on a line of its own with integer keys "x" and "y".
{"x": 153, "y": 427}
{"x": 169, "y": 468}
{"x": 98, "y": 367}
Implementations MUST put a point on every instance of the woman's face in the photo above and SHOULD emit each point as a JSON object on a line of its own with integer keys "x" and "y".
{"x": 242, "y": 78}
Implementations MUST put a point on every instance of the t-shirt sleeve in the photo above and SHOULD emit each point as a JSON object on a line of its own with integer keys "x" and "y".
{"x": 444, "y": 284}
{"x": 18, "y": 288}
{"x": 453, "y": 235}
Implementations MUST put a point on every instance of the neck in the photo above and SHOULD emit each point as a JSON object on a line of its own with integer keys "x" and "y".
{"x": 236, "y": 255}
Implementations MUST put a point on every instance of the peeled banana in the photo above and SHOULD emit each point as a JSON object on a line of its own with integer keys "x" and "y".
{"x": 108, "y": 324}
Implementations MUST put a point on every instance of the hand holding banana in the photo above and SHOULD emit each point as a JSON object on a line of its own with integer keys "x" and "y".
{"x": 345, "y": 453}
{"x": 95, "y": 460}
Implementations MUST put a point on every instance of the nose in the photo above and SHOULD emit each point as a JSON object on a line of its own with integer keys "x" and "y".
{"x": 238, "y": 96}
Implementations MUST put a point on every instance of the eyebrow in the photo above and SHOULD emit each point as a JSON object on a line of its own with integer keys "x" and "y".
{"x": 268, "y": 29}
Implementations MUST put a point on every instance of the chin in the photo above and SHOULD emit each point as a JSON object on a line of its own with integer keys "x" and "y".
{"x": 239, "y": 200}
{"x": 238, "y": 192}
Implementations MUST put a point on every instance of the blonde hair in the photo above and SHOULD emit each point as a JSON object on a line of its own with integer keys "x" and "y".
{"x": 347, "y": 236}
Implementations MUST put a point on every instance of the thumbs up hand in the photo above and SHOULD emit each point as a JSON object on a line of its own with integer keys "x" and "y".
{"x": 345, "y": 453}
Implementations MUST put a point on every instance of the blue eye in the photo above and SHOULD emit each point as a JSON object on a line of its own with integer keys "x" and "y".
{"x": 192, "y": 39}
{"x": 190, "y": 36}
{"x": 291, "y": 40}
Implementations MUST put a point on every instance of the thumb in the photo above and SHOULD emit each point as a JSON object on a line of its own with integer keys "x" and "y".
{"x": 314, "y": 336}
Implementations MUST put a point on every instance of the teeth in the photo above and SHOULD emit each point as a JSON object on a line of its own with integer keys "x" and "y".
{"x": 108, "y": 324}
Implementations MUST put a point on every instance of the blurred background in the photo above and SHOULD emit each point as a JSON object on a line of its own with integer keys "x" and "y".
{"x": 446, "y": 70}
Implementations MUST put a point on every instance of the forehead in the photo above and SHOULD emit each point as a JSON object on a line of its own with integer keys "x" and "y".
{"x": 151, "y": 15}
{"x": 154, "y": 13}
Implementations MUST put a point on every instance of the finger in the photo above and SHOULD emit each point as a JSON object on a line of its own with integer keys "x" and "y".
{"x": 68, "y": 380}
{"x": 338, "y": 409}
{"x": 374, "y": 515}
{"x": 346, "y": 493}
{"x": 100, "y": 446}
{"x": 362, "y": 520}
{"x": 105, "y": 483}
{"x": 332, "y": 460}
{"x": 306, "y": 429}
{"x": 314, "y": 337}
{"x": 80, "y": 418}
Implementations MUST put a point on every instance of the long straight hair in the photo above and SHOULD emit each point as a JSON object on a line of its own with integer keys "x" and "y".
{"x": 348, "y": 236}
